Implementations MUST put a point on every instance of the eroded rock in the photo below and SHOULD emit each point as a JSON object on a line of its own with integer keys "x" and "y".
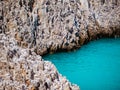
{"x": 23, "y": 69}
{"x": 38, "y": 22}
{"x": 29, "y": 28}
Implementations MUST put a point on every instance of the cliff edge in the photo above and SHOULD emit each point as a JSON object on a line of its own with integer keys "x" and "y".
{"x": 30, "y": 28}
{"x": 51, "y": 25}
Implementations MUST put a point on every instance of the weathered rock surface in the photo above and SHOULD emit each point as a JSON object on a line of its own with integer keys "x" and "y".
{"x": 22, "y": 69}
{"x": 43, "y": 26}
{"x": 50, "y": 25}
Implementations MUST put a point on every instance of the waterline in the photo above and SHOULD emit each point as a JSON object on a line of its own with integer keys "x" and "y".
{"x": 95, "y": 66}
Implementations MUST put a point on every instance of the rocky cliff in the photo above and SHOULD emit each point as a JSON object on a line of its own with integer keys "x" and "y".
{"x": 44, "y": 26}
{"x": 23, "y": 69}
{"x": 50, "y": 25}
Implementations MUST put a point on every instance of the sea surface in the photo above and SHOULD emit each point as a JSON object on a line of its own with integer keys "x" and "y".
{"x": 95, "y": 66}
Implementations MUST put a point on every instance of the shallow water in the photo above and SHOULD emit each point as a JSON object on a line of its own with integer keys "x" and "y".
{"x": 95, "y": 66}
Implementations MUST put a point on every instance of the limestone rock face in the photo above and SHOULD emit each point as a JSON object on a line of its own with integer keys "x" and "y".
{"x": 23, "y": 69}
{"x": 50, "y": 25}
{"x": 29, "y": 28}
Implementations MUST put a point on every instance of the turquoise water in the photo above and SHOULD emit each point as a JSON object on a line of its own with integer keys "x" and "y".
{"x": 95, "y": 66}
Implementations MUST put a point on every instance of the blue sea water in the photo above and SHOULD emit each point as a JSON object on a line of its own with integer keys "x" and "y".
{"x": 95, "y": 66}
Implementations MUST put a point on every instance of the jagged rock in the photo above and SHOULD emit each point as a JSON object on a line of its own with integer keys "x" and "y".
{"x": 38, "y": 22}
{"x": 29, "y": 28}
{"x": 23, "y": 69}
